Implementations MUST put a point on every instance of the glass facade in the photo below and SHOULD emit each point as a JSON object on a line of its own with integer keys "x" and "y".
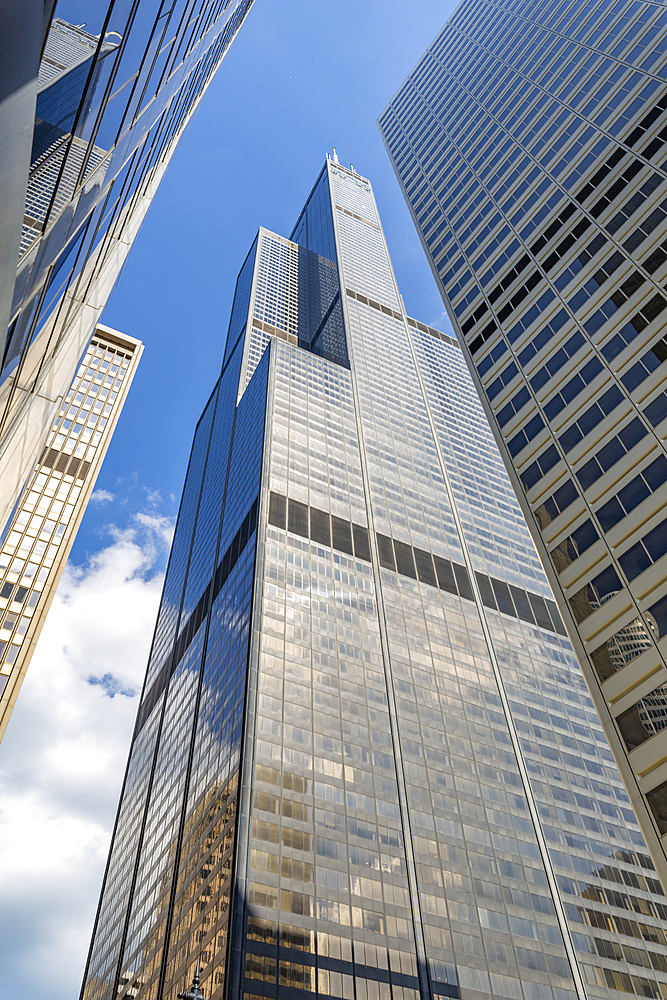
{"x": 365, "y": 764}
{"x": 530, "y": 145}
{"x": 113, "y": 99}
{"x": 40, "y": 533}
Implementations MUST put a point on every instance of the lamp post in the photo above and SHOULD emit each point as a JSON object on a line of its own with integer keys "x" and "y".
{"x": 194, "y": 993}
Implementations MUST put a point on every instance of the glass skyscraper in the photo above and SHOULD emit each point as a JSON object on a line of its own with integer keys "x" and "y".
{"x": 530, "y": 142}
{"x": 118, "y": 82}
{"x": 365, "y": 762}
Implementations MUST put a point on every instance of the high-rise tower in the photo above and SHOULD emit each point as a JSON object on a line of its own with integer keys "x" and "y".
{"x": 531, "y": 142}
{"x": 115, "y": 91}
{"x": 40, "y": 533}
{"x": 365, "y": 762}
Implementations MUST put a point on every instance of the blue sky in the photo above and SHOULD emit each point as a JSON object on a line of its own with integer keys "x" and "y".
{"x": 302, "y": 75}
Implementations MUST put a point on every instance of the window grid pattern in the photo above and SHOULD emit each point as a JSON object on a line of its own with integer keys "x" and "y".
{"x": 42, "y": 527}
{"x": 185, "y": 754}
{"x": 386, "y": 816}
{"x": 276, "y": 289}
{"x": 96, "y": 167}
{"x": 528, "y": 140}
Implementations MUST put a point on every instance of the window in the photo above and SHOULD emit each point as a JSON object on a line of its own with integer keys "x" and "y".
{"x": 543, "y": 337}
{"x": 530, "y": 316}
{"x": 645, "y": 552}
{"x": 525, "y": 435}
{"x": 623, "y": 647}
{"x": 489, "y": 361}
{"x": 574, "y": 545}
{"x": 579, "y": 262}
{"x": 591, "y": 417}
{"x": 649, "y": 361}
{"x": 600, "y": 175}
{"x": 611, "y": 453}
{"x": 637, "y": 490}
{"x": 556, "y": 362}
{"x": 594, "y": 594}
{"x": 572, "y": 388}
{"x": 657, "y": 410}
{"x": 650, "y": 223}
{"x": 556, "y": 504}
{"x": 505, "y": 377}
{"x": 657, "y": 617}
{"x": 516, "y": 403}
{"x": 644, "y": 719}
{"x": 633, "y": 203}
{"x": 657, "y": 800}
{"x": 595, "y": 282}
{"x": 540, "y": 467}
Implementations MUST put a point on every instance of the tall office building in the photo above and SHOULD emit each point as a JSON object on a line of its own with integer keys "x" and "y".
{"x": 365, "y": 763}
{"x": 530, "y": 142}
{"x": 41, "y": 531}
{"x": 117, "y": 86}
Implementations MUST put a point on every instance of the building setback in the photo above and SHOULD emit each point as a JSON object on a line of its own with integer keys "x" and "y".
{"x": 365, "y": 762}
{"x": 40, "y": 533}
{"x": 531, "y": 142}
{"x": 111, "y": 101}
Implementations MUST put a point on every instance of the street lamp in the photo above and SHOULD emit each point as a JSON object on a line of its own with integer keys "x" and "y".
{"x": 194, "y": 993}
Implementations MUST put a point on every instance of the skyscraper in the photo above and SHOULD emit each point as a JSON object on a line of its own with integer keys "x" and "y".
{"x": 117, "y": 86}
{"x": 530, "y": 142}
{"x": 365, "y": 763}
{"x": 40, "y": 533}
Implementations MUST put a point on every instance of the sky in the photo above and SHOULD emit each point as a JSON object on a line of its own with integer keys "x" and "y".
{"x": 301, "y": 77}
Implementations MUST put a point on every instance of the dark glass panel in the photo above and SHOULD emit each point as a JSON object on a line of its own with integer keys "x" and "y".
{"x": 386, "y": 552}
{"x": 341, "y": 535}
{"x": 445, "y": 573}
{"x": 320, "y": 528}
{"x": 463, "y": 582}
{"x": 425, "y": 571}
{"x": 405, "y": 563}
{"x": 486, "y": 590}
{"x": 297, "y": 518}
{"x": 362, "y": 548}
{"x": 504, "y": 598}
{"x": 522, "y": 604}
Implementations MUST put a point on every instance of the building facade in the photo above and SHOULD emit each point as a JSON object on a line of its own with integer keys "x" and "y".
{"x": 365, "y": 762}
{"x": 40, "y": 533}
{"x": 113, "y": 97}
{"x": 530, "y": 145}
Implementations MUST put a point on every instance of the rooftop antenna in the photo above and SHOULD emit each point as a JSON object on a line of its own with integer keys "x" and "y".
{"x": 335, "y": 154}
{"x": 194, "y": 993}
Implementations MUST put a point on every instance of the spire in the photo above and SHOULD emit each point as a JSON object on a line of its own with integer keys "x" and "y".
{"x": 194, "y": 993}
{"x": 335, "y": 155}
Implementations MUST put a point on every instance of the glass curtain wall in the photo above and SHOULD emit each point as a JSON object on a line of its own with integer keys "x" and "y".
{"x": 117, "y": 86}
{"x": 365, "y": 763}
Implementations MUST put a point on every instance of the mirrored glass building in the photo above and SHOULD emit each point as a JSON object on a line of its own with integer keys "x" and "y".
{"x": 365, "y": 762}
{"x": 530, "y": 142}
{"x": 116, "y": 87}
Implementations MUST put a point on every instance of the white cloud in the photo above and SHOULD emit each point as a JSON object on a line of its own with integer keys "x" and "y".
{"x": 102, "y": 496}
{"x": 442, "y": 323}
{"x": 63, "y": 757}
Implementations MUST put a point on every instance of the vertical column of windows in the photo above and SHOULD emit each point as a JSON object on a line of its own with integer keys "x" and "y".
{"x": 599, "y": 405}
{"x": 43, "y": 522}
